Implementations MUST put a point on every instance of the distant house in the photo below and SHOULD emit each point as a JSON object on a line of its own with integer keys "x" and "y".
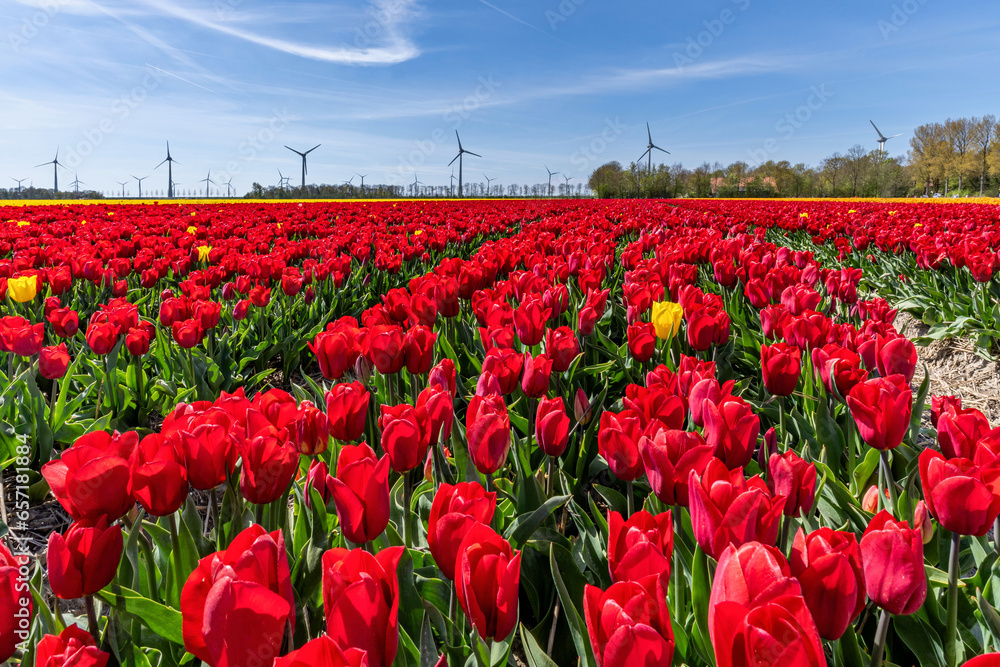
{"x": 720, "y": 181}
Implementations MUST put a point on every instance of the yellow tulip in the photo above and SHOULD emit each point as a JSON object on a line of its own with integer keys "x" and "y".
{"x": 203, "y": 252}
{"x": 192, "y": 230}
{"x": 23, "y": 223}
{"x": 22, "y": 289}
{"x": 667, "y": 319}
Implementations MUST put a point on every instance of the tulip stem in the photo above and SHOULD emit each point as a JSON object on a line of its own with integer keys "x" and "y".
{"x": 782, "y": 422}
{"x": 630, "y": 497}
{"x": 549, "y": 478}
{"x": 878, "y": 648}
{"x": 890, "y": 486}
{"x": 407, "y": 500}
{"x": 786, "y": 524}
{"x": 552, "y": 630}
{"x": 92, "y": 619}
{"x": 951, "y": 648}
{"x": 996, "y": 535}
{"x": 175, "y": 549}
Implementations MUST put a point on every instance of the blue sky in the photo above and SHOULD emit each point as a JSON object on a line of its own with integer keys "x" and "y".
{"x": 383, "y": 84}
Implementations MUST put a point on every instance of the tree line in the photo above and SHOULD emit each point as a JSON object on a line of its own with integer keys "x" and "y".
{"x": 954, "y": 158}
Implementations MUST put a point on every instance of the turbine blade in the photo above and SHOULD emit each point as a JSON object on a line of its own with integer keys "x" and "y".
{"x": 459, "y": 140}
{"x": 895, "y": 135}
{"x": 649, "y": 133}
{"x": 450, "y": 163}
{"x": 660, "y": 149}
{"x": 313, "y": 148}
{"x": 471, "y": 153}
{"x": 42, "y": 164}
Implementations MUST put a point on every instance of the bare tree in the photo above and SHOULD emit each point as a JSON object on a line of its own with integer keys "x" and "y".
{"x": 984, "y": 140}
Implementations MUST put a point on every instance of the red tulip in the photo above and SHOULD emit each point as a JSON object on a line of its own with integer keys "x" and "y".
{"x": 561, "y": 347}
{"x": 418, "y": 349}
{"x": 260, "y": 296}
{"x": 15, "y": 603}
{"x": 137, "y": 341}
{"x": 629, "y": 624}
{"x": 962, "y": 496}
{"x": 537, "y": 372}
{"x": 642, "y": 341}
{"x": 439, "y": 406}
{"x": 361, "y": 601}
{"x": 188, "y": 333}
{"x": 269, "y": 464}
{"x": 892, "y": 554}
{"x": 335, "y": 351}
{"x": 732, "y": 427}
{"x": 618, "y": 442}
{"x": 942, "y": 404}
{"x": 592, "y": 311}
{"x": 385, "y": 348}
{"x": 208, "y": 441}
{"x": 960, "y": 430}
{"x": 727, "y": 509}
{"x": 309, "y": 431}
{"x": 641, "y": 546}
{"x": 487, "y": 430}
{"x": 704, "y": 393}
{"x": 241, "y": 310}
{"x": 102, "y": 337}
{"x": 781, "y": 365}
{"x": 91, "y": 478}
{"x": 552, "y": 426}
{"x": 53, "y": 361}
{"x": 323, "y": 652}
{"x": 669, "y": 457}
{"x": 346, "y": 410}
{"x": 159, "y": 480}
{"x": 505, "y": 365}
{"x": 756, "y": 613}
{"x": 318, "y": 478}
{"x": 827, "y": 564}
{"x": 65, "y": 322}
{"x": 84, "y": 560}
{"x": 443, "y": 376}
{"x": 361, "y": 492}
{"x": 656, "y": 404}
{"x": 454, "y": 511}
{"x": 71, "y": 648}
{"x": 793, "y": 478}
{"x": 487, "y": 578}
{"x": 986, "y": 660}
{"x": 881, "y": 409}
{"x": 529, "y": 320}
{"x": 238, "y": 603}
{"x": 897, "y": 356}
{"x": 404, "y": 437}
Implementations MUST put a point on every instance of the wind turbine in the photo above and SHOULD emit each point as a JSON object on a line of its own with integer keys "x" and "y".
{"x": 567, "y": 179}
{"x": 140, "y": 183}
{"x": 488, "y": 181}
{"x": 170, "y": 172}
{"x": 362, "y": 183}
{"x": 282, "y": 180}
{"x": 122, "y": 183}
{"x": 649, "y": 150}
{"x": 551, "y": 174}
{"x": 206, "y": 181}
{"x": 303, "y": 156}
{"x": 451, "y": 187}
{"x": 77, "y": 183}
{"x": 416, "y": 184}
{"x": 55, "y": 170}
{"x": 461, "y": 151}
{"x": 882, "y": 138}
{"x": 350, "y": 184}
{"x": 18, "y": 181}
{"x": 229, "y": 188}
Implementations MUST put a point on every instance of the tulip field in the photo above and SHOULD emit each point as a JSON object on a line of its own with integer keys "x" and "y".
{"x": 474, "y": 433}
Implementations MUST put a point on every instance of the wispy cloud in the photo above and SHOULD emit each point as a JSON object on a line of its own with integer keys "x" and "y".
{"x": 397, "y": 48}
